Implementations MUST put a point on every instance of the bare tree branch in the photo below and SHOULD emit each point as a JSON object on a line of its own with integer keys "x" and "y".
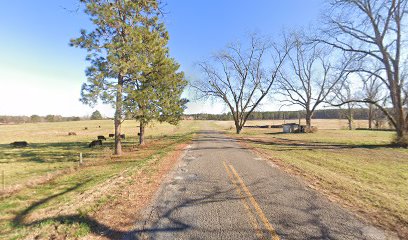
{"x": 238, "y": 76}
{"x": 374, "y": 30}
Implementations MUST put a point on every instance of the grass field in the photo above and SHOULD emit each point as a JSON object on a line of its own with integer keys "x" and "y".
{"x": 51, "y": 148}
{"x": 46, "y": 188}
{"x": 358, "y": 169}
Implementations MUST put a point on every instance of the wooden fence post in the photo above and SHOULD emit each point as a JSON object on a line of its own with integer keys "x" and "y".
{"x": 80, "y": 159}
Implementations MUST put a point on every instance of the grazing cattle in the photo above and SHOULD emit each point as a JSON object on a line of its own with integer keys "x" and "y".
{"x": 101, "y": 137}
{"x": 122, "y": 136}
{"x": 19, "y": 144}
{"x": 95, "y": 143}
{"x": 138, "y": 134}
{"x": 99, "y": 126}
{"x": 86, "y": 128}
{"x": 111, "y": 135}
{"x": 72, "y": 134}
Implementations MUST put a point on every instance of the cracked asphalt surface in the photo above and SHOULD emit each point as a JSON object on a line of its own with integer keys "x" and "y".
{"x": 221, "y": 190}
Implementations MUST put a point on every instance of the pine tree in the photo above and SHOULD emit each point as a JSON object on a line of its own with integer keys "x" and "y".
{"x": 96, "y": 115}
{"x": 119, "y": 28}
{"x": 155, "y": 92}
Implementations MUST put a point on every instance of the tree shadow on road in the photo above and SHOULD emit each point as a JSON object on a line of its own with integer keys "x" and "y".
{"x": 294, "y": 222}
{"x": 159, "y": 214}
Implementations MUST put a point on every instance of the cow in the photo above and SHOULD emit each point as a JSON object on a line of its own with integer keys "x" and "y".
{"x": 19, "y": 144}
{"x": 86, "y": 128}
{"x": 95, "y": 143}
{"x": 100, "y": 137}
{"x": 122, "y": 136}
{"x": 72, "y": 134}
{"x": 111, "y": 135}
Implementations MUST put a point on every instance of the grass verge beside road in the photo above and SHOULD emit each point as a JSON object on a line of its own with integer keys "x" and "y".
{"x": 358, "y": 169}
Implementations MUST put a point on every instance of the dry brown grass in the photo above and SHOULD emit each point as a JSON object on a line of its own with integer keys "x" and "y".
{"x": 52, "y": 151}
{"x": 67, "y": 205}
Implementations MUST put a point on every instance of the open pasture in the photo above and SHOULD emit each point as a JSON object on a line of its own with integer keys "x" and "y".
{"x": 47, "y": 193}
{"x": 51, "y": 148}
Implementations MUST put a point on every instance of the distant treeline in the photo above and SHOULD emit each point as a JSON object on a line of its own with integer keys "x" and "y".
{"x": 36, "y": 119}
{"x": 359, "y": 113}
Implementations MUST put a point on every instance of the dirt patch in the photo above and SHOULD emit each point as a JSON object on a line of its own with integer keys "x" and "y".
{"x": 121, "y": 214}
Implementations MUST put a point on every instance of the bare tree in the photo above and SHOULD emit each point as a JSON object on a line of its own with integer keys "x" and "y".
{"x": 344, "y": 93}
{"x": 374, "y": 30}
{"x": 309, "y": 77}
{"x": 372, "y": 91}
{"x": 240, "y": 77}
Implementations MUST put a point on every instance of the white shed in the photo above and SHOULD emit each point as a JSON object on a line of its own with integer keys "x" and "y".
{"x": 290, "y": 127}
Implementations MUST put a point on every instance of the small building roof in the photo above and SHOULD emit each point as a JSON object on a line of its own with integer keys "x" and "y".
{"x": 290, "y": 124}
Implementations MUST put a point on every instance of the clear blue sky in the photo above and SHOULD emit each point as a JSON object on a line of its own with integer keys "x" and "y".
{"x": 41, "y": 74}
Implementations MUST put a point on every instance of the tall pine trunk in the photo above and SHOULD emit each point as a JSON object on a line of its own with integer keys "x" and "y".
{"x": 118, "y": 116}
{"x": 142, "y": 133}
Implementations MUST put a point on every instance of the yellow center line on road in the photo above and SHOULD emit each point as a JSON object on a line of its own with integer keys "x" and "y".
{"x": 256, "y": 205}
{"x": 252, "y": 218}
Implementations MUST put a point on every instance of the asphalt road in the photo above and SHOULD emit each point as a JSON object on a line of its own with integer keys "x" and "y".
{"x": 221, "y": 190}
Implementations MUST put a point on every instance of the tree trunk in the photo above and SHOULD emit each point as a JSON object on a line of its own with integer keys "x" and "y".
{"x": 399, "y": 115}
{"x": 350, "y": 117}
{"x": 237, "y": 126}
{"x": 370, "y": 116}
{"x": 142, "y": 133}
{"x": 118, "y": 116}
{"x": 308, "y": 120}
{"x": 350, "y": 122}
{"x": 401, "y": 130}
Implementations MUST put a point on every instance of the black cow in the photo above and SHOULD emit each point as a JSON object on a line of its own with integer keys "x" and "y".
{"x": 95, "y": 143}
{"x": 101, "y": 137}
{"x": 111, "y": 135}
{"x": 86, "y": 128}
{"x": 122, "y": 136}
{"x": 19, "y": 144}
{"x": 72, "y": 134}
